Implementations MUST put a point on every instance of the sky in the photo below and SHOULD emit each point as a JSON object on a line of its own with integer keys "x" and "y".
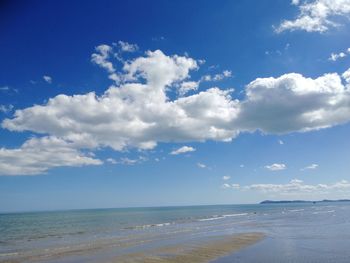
{"x": 159, "y": 103}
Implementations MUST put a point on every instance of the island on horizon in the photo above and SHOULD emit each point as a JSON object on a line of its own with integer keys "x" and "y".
{"x": 301, "y": 201}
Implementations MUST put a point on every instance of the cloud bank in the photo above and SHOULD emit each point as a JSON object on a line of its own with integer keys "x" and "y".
{"x": 294, "y": 187}
{"x": 136, "y": 111}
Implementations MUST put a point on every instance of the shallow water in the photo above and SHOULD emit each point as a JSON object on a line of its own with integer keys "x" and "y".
{"x": 309, "y": 233}
{"x": 297, "y": 232}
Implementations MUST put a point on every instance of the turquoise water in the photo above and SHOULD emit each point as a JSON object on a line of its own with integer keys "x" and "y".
{"x": 70, "y": 236}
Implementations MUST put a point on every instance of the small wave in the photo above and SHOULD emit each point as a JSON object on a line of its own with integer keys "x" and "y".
{"x": 230, "y": 215}
{"x": 216, "y": 217}
{"x": 296, "y": 210}
{"x": 162, "y": 224}
{"x": 211, "y": 218}
{"x": 147, "y": 226}
{"x": 323, "y": 212}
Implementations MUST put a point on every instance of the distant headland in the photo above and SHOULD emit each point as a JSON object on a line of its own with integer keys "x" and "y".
{"x": 301, "y": 201}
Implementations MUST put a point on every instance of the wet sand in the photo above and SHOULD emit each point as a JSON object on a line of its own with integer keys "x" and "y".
{"x": 205, "y": 251}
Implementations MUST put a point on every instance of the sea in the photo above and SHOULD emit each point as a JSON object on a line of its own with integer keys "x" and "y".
{"x": 296, "y": 232}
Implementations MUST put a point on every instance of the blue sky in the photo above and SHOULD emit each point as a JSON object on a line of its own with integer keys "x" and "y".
{"x": 153, "y": 103}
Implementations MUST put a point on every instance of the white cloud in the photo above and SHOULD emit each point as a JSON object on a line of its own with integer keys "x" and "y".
{"x": 158, "y": 69}
{"x": 224, "y": 74}
{"x": 335, "y": 57}
{"x": 201, "y": 165}
{"x": 6, "y": 108}
{"x": 298, "y": 186}
{"x": 232, "y": 186}
{"x": 292, "y": 102}
{"x": 101, "y": 57}
{"x": 226, "y": 177}
{"x": 217, "y": 77}
{"x": 127, "y": 47}
{"x": 310, "y": 167}
{"x": 47, "y": 78}
{"x": 346, "y": 77}
{"x": 316, "y": 15}
{"x": 37, "y": 155}
{"x": 135, "y": 114}
{"x": 187, "y": 86}
{"x": 126, "y": 160}
{"x": 138, "y": 112}
{"x": 183, "y": 149}
{"x": 276, "y": 167}
{"x": 280, "y": 142}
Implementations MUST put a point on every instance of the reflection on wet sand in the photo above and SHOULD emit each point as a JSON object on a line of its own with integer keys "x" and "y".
{"x": 194, "y": 252}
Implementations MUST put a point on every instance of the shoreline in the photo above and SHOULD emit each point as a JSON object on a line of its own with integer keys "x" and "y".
{"x": 197, "y": 252}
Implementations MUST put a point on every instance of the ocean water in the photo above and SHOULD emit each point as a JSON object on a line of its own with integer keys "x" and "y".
{"x": 294, "y": 232}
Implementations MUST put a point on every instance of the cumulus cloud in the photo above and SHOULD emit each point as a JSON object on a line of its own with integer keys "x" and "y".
{"x": 276, "y": 167}
{"x": 37, "y": 155}
{"x": 158, "y": 69}
{"x": 101, "y": 57}
{"x": 139, "y": 113}
{"x": 293, "y": 102}
{"x": 136, "y": 114}
{"x": 127, "y": 47}
{"x": 183, "y": 149}
{"x": 316, "y": 15}
{"x": 187, "y": 86}
{"x": 346, "y": 77}
{"x": 226, "y": 177}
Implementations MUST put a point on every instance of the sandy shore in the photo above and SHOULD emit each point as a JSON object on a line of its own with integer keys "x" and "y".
{"x": 195, "y": 252}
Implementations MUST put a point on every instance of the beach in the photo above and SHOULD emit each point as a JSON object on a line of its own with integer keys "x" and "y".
{"x": 192, "y": 251}
{"x": 224, "y": 233}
